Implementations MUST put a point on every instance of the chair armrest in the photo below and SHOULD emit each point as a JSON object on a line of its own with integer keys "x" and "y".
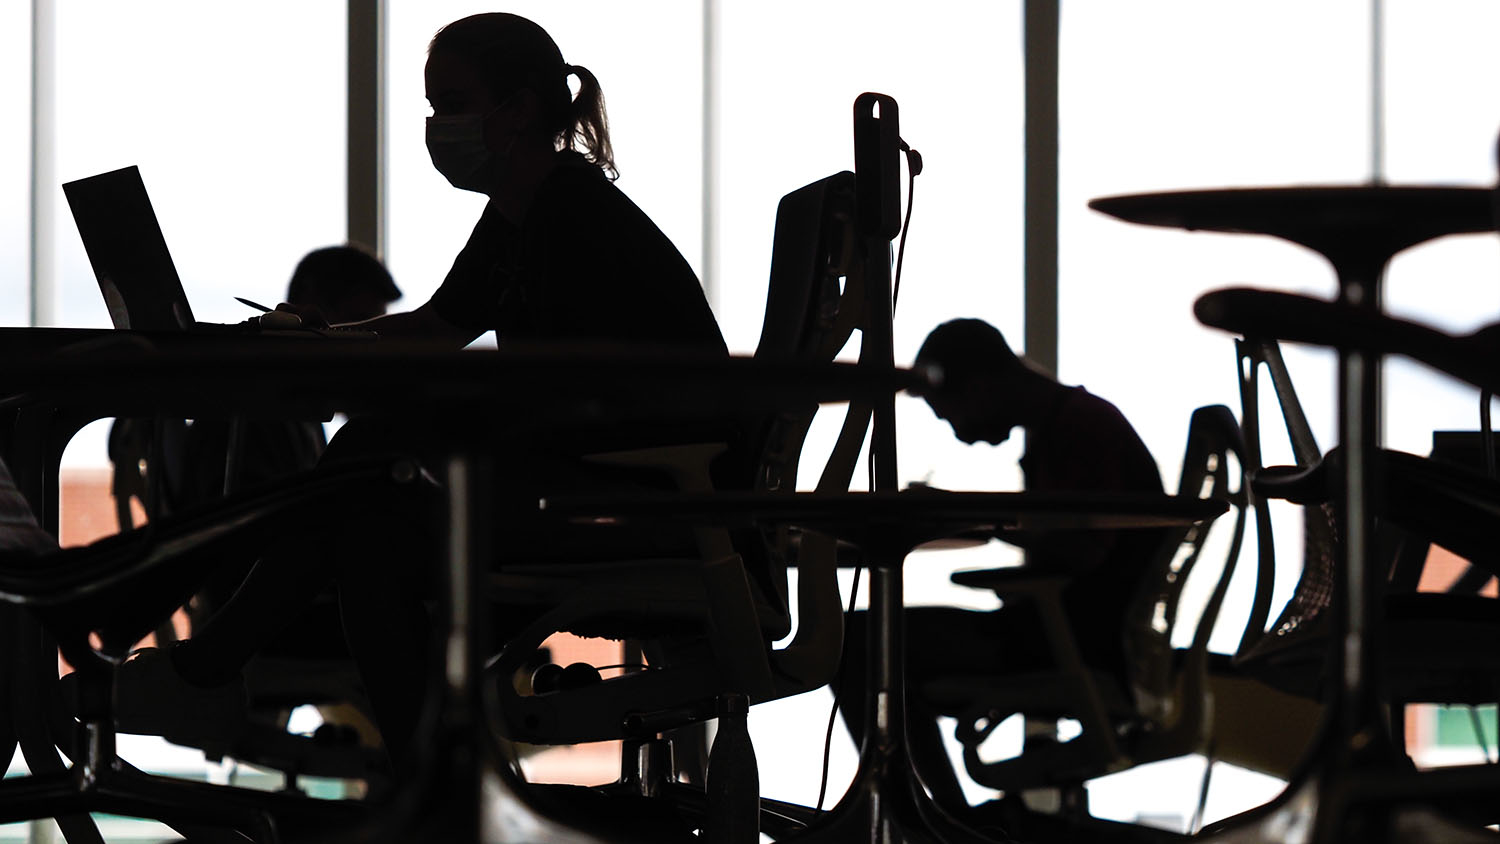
{"x": 1297, "y": 484}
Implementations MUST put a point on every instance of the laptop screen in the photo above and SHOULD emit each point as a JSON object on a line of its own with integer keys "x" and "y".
{"x": 128, "y": 253}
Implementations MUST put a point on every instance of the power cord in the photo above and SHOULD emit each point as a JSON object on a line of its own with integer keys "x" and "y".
{"x": 837, "y": 688}
{"x": 913, "y": 169}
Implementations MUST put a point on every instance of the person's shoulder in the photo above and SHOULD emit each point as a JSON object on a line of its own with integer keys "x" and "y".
{"x": 1085, "y": 411}
{"x": 1079, "y": 401}
{"x": 574, "y": 176}
{"x": 577, "y": 196}
{"x": 576, "y": 193}
{"x": 1098, "y": 422}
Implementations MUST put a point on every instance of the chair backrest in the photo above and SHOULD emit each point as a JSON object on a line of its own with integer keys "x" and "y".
{"x": 1313, "y": 595}
{"x": 814, "y": 303}
{"x": 1212, "y": 469}
{"x": 812, "y": 249}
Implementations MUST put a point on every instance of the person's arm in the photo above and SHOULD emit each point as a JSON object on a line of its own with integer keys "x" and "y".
{"x": 422, "y": 323}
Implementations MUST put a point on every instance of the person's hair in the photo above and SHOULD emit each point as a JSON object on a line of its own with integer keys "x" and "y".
{"x": 964, "y": 349}
{"x": 333, "y": 272}
{"x": 512, "y": 53}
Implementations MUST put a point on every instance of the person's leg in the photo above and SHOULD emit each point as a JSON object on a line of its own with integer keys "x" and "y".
{"x": 383, "y": 584}
{"x": 276, "y": 592}
{"x": 289, "y": 576}
{"x": 387, "y": 578}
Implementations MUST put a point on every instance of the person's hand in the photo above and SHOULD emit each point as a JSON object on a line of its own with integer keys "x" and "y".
{"x": 309, "y": 316}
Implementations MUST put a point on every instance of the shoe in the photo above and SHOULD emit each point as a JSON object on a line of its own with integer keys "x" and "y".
{"x": 152, "y": 699}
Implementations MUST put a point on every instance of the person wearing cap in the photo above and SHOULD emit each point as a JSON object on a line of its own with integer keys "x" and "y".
{"x": 345, "y": 283}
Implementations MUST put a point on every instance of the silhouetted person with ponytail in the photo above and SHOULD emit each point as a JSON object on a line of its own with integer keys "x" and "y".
{"x": 559, "y": 252}
{"x": 559, "y": 255}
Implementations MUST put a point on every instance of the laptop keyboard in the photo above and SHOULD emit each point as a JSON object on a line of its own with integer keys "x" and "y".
{"x": 247, "y": 328}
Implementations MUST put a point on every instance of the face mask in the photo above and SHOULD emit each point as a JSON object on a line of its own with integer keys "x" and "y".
{"x": 458, "y": 150}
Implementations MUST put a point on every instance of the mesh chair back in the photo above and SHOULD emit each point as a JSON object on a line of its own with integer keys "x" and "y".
{"x": 1212, "y": 469}
{"x": 814, "y": 302}
{"x": 1307, "y": 612}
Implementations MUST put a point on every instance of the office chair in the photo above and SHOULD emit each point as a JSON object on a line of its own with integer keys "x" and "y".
{"x": 116, "y": 590}
{"x": 1430, "y": 500}
{"x": 709, "y": 621}
{"x": 1439, "y": 648}
{"x": 1160, "y": 709}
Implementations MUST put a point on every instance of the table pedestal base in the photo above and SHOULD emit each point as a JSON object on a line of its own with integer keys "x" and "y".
{"x": 886, "y": 804}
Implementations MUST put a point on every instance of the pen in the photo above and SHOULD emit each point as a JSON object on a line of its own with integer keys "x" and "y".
{"x": 256, "y": 305}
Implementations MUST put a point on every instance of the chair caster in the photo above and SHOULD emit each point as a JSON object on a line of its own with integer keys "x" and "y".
{"x": 554, "y": 678}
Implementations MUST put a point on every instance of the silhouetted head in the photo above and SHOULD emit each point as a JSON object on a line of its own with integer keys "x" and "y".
{"x": 498, "y": 86}
{"x": 346, "y": 283}
{"x": 980, "y": 380}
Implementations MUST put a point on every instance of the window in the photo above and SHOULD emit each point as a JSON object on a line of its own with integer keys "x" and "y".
{"x": 15, "y": 151}
{"x": 1440, "y": 127}
{"x": 236, "y": 120}
{"x": 1173, "y": 95}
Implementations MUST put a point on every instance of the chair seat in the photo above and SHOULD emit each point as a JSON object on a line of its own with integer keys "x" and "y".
{"x": 1439, "y": 648}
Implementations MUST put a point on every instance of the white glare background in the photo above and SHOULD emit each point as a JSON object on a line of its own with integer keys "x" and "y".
{"x": 235, "y": 115}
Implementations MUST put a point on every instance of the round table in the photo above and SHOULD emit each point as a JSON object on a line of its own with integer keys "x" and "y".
{"x": 1358, "y": 228}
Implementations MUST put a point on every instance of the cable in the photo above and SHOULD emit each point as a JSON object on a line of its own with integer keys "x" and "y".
{"x": 913, "y": 168}
{"x": 837, "y": 687}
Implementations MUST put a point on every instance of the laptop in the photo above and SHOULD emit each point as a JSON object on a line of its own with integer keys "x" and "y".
{"x": 130, "y": 258}
{"x": 129, "y": 255}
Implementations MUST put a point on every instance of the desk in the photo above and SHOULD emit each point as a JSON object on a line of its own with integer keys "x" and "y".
{"x": 56, "y": 380}
{"x": 907, "y": 518}
{"x": 60, "y": 384}
{"x": 1474, "y": 357}
{"x": 265, "y": 376}
{"x": 1358, "y": 228}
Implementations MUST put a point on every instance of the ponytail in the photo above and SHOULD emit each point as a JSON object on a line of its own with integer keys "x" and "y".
{"x": 588, "y": 125}
{"x": 511, "y": 52}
